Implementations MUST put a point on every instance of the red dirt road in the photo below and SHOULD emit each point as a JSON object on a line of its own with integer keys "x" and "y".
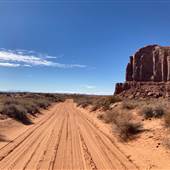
{"x": 63, "y": 139}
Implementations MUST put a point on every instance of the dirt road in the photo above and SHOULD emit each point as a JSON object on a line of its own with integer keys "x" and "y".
{"x": 64, "y": 139}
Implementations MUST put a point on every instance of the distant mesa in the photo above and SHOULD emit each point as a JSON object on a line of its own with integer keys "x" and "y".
{"x": 147, "y": 73}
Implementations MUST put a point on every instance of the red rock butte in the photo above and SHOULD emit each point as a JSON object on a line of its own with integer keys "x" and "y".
{"x": 147, "y": 73}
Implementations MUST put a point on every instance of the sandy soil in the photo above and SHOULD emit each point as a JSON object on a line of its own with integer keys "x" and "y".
{"x": 63, "y": 138}
{"x": 148, "y": 151}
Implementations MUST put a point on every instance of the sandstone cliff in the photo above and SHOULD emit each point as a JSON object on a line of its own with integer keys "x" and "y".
{"x": 147, "y": 73}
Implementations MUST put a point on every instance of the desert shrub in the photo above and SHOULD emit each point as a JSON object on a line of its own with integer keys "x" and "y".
{"x": 84, "y": 105}
{"x": 110, "y": 116}
{"x": 159, "y": 112}
{"x": 166, "y": 142}
{"x": 30, "y": 106}
{"x": 147, "y": 112}
{"x": 17, "y": 112}
{"x": 105, "y": 102}
{"x": 128, "y": 105}
{"x": 19, "y": 105}
{"x": 113, "y": 99}
{"x": 150, "y": 112}
{"x": 9, "y": 101}
{"x": 123, "y": 123}
{"x": 84, "y": 102}
{"x": 94, "y": 108}
{"x": 59, "y": 99}
{"x": 100, "y": 116}
{"x": 43, "y": 103}
{"x": 97, "y": 102}
{"x": 128, "y": 130}
{"x": 167, "y": 119}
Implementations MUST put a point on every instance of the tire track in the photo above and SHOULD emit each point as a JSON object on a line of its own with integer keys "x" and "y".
{"x": 45, "y": 142}
{"x": 94, "y": 127}
{"x": 78, "y": 160}
{"x": 41, "y": 122}
{"x": 57, "y": 146}
{"x": 104, "y": 146}
{"x": 51, "y": 141}
{"x": 23, "y": 137}
{"x": 15, "y": 155}
{"x": 87, "y": 155}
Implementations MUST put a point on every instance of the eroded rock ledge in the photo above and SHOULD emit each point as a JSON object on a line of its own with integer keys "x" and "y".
{"x": 147, "y": 73}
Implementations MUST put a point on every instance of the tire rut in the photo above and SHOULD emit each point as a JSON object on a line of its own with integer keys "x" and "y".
{"x": 17, "y": 152}
{"x": 93, "y": 126}
{"x": 87, "y": 155}
{"x": 23, "y": 137}
{"x": 57, "y": 146}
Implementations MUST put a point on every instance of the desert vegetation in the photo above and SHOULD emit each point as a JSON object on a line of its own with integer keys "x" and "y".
{"x": 20, "y": 106}
{"x": 153, "y": 112}
{"x": 126, "y": 116}
{"x": 96, "y": 102}
{"x": 121, "y": 119}
{"x": 167, "y": 119}
{"x": 123, "y": 124}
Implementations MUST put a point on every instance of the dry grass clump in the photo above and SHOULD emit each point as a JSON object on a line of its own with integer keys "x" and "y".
{"x": 123, "y": 124}
{"x": 153, "y": 112}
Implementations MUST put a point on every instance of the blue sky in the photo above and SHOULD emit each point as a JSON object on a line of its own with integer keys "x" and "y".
{"x": 75, "y": 46}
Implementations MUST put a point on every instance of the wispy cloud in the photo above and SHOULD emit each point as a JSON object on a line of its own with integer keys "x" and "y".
{"x": 51, "y": 57}
{"x": 89, "y": 86}
{"x": 11, "y": 58}
{"x": 9, "y": 65}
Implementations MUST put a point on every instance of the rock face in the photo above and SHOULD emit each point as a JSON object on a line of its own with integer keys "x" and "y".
{"x": 147, "y": 73}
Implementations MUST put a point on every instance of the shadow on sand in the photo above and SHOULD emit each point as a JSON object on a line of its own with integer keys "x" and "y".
{"x": 3, "y": 139}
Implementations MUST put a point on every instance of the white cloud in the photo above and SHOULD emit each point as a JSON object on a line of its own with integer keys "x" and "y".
{"x": 29, "y": 58}
{"x": 27, "y": 65}
{"x": 9, "y": 65}
{"x": 50, "y": 57}
{"x": 90, "y": 87}
{"x": 17, "y": 57}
